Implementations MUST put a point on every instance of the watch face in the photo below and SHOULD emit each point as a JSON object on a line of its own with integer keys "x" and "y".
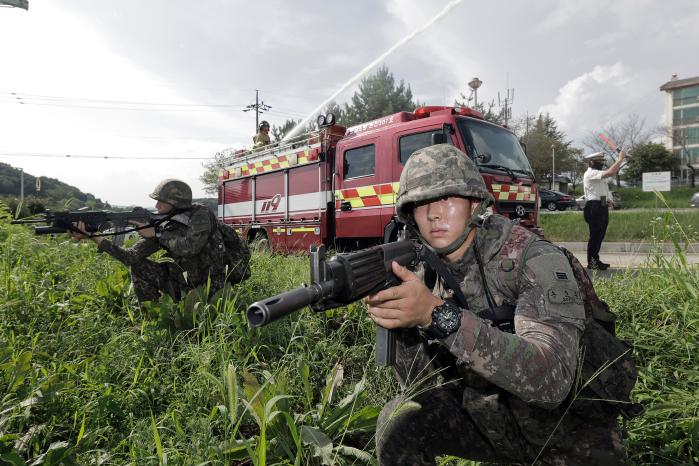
{"x": 447, "y": 317}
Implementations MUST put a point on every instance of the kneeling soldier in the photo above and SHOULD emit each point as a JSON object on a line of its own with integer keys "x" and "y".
{"x": 507, "y": 388}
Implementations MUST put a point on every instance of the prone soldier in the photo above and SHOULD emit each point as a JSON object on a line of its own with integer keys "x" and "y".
{"x": 507, "y": 391}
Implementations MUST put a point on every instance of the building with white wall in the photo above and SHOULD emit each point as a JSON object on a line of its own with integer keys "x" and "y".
{"x": 682, "y": 117}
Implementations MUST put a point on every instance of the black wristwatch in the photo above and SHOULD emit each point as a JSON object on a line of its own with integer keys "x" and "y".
{"x": 446, "y": 319}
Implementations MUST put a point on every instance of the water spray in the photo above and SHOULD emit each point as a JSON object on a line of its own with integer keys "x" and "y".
{"x": 371, "y": 65}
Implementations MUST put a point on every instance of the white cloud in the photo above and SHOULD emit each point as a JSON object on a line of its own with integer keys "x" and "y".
{"x": 213, "y": 53}
{"x": 593, "y": 99}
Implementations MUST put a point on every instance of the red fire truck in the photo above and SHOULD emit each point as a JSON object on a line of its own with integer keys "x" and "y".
{"x": 338, "y": 186}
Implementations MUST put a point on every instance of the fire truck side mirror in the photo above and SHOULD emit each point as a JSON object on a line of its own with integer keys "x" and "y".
{"x": 439, "y": 138}
{"x": 524, "y": 147}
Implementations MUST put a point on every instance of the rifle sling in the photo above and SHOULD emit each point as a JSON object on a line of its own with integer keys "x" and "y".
{"x": 501, "y": 316}
{"x": 143, "y": 227}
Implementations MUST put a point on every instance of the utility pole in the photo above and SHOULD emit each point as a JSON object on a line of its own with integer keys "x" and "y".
{"x": 259, "y": 107}
{"x": 553, "y": 164}
{"x": 506, "y": 104}
{"x": 21, "y": 186}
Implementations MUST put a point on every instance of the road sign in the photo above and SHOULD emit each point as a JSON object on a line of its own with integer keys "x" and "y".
{"x": 656, "y": 181}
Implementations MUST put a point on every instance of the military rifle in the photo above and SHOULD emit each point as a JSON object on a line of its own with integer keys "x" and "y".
{"x": 341, "y": 280}
{"x": 95, "y": 221}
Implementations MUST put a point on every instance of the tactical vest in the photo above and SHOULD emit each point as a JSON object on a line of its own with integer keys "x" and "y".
{"x": 608, "y": 371}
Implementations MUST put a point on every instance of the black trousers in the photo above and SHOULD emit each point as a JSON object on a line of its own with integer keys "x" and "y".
{"x": 597, "y": 218}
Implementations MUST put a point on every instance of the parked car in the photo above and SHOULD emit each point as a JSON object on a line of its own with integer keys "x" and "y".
{"x": 694, "y": 201}
{"x": 554, "y": 200}
{"x": 618, "y": 203}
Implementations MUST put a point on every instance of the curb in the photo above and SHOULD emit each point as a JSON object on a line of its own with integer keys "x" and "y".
{"x": 622, "y": 247}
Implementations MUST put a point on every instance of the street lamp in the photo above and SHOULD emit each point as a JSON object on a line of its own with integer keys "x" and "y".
{"x": 474, "y": 84}
{"x": 553, "y": 163}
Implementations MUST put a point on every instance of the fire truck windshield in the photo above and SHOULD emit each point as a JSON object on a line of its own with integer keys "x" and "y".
{"x": 493, "y": 147}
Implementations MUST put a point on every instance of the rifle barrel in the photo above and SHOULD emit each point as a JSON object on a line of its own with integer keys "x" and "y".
{"x": 268, "y": 310}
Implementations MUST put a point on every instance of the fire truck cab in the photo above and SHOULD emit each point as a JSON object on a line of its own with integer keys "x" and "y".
{"x": 338, "y": 186}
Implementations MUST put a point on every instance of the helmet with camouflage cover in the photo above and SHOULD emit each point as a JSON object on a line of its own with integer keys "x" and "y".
{"x": 175, "y": 192}
{"x": 437, "y": 171}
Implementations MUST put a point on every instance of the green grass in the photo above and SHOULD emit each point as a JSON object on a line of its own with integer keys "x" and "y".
{"x": 86, "y": 377}
{"x": 623, "y": 226}
{"x": 678, "y": 197}
{"x": 634, "y": 198}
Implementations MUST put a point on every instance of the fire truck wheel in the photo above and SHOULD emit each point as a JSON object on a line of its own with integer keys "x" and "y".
{"x": 260, "y": 243}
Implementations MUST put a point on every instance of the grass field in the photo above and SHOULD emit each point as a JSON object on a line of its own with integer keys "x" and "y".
{"x": 678, "y": 197}
{"x": 634, "y": 198}
{"x": 86, "y": 377}
{"x": 638, "y": 225}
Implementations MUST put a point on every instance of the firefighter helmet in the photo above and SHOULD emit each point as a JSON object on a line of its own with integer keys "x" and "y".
{"x": 435, "y": 172}
{"x": 263, "y": 124}
{"x": 175, "y": 192}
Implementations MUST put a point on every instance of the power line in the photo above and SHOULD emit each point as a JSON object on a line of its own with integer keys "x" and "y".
{"x": 76, "y": 102}
{"x": 259, "y": 107}
{"x": 114, "y": 157}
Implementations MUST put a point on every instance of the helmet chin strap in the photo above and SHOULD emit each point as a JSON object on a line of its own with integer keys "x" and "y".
{"x": 474, "y": 221}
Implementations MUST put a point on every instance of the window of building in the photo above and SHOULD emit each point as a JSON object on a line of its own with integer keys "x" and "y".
{"x": 685, "y": 96}
{"x": 685, "y": 116}
{"x": 687, "y": 136}
{"x": 360, "y": 161}
{"x": 412, "y": 142}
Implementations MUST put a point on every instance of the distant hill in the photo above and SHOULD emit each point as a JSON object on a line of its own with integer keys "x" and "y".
{"x": 53, "y": 194}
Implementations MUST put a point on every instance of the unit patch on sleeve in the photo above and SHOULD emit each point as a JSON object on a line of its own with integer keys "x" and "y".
{"x": 563, "y": 295}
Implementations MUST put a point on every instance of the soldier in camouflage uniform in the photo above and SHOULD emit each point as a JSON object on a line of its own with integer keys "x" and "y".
{"x": 190, "y": 238}
{"x": 504, "y": 395}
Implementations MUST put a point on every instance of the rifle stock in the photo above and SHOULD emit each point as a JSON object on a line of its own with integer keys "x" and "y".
{"x": 339, "y": 281}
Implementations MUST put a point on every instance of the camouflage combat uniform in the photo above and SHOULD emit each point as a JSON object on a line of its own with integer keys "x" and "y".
{"x": 195, "y": 245}
{"x": 504, "y": 394}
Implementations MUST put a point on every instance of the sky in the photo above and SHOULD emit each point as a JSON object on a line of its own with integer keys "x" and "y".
{"x": 137, "y": 81}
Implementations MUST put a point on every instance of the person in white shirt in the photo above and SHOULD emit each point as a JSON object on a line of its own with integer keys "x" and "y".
{"x": 598, "y": 200}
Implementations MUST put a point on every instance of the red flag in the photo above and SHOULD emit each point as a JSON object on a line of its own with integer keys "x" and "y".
{"x": 612, "y": 145}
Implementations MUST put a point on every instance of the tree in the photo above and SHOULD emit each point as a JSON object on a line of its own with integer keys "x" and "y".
{"x": 628, "y": 133}
{"x": 544, "y": 141}
{"x": 278, "y": 132}
{"x": 209, "y": 177}
{"x": 649, "y": 157}
{"x": 489, "y": 110}
{"x": 377, "y": 96}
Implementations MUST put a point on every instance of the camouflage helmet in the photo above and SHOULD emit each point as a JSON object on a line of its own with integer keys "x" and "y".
{"x": 437, "y": 171}
{"x": 175, "y": 192}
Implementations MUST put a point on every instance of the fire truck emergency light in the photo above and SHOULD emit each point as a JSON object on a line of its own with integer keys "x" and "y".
{"x": 325, "y": 120}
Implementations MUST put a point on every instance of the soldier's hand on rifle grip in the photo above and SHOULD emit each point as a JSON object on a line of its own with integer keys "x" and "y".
{"x": 76, "y": 236}
{"x": 145, "y": 232}
{"x": 407, "y": 305}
